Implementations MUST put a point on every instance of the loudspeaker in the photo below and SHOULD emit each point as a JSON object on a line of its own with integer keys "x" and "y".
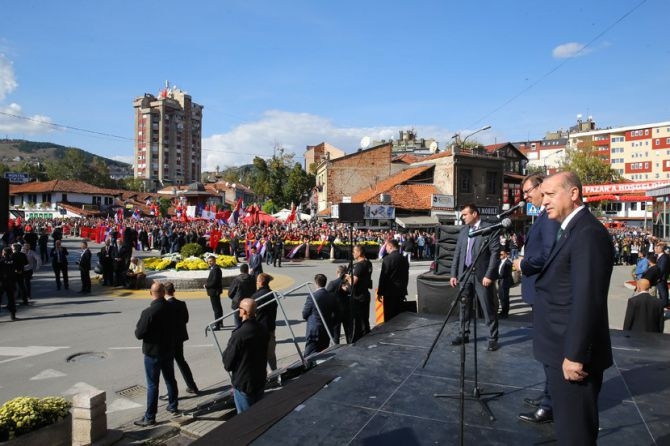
{"x": 4, "y": 204}
{"x": 351, "y": 212}
{"x": 447, "y": 237}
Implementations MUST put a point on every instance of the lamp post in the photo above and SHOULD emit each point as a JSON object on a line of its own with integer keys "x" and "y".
{"x": 486, "y": 127}
{"x": 544, "y": 160}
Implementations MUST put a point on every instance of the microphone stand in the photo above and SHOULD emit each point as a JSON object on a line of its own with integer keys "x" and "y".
{"x": 461, "y": 297}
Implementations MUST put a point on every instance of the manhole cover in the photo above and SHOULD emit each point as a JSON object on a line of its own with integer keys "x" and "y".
{"x": 86, "y": 357}
{"x": 132, "y": 391}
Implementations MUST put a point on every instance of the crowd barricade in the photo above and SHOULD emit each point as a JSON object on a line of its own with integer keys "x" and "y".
{"x": 276, "y": 297}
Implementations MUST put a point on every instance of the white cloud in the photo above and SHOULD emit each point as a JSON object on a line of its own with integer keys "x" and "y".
{"x": 10, "y": 123}
{"x": 569, "y": 50}
{"x": 11, "y": 117}
{"x": 129, "y": 159}
{"x": 294, "y": 132}
{"x": 7, "y": 79}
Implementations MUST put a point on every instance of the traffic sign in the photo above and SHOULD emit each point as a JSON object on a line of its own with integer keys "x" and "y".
{"x": 531, "y": 210}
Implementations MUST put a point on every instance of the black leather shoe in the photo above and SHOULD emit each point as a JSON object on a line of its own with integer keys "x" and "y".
{"x": 144, "y": 422}
{"x": 540, "y": 416}
{"x": 493, "y": 346}
{"x": 458, "y": 340}
{"x": 533, "y": 402}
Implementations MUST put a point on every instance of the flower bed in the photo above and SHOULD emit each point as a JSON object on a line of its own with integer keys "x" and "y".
{"x": 23, "y": 415}
{"x": 175, "y": 261}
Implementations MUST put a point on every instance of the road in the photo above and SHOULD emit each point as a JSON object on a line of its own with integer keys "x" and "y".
{"x": 66, "y": 343}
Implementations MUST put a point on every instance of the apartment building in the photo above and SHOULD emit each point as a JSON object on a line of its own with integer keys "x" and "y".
{"x": 168, "y": 138}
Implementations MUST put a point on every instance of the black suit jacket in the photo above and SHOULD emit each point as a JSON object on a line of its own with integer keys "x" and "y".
{"x": 85, "y": 260}
{"x": 663, "y": 268}
{"x": 644, "y": 313}
{"x": 487, "y": 263}
{"x": 539, "y": 241}
{"x": 63, "y": 256}
{"x": 214, "y": 284}
{"x": 505, "y": 273}
{"x": 242, "y": 286}
{"x": 394, "y": 275}
{"x": 328, "y": 305}
{"x": 181, "y": 318}
{"x": 570, "y": 312}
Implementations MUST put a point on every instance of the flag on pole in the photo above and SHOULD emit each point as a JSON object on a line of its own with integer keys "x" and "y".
{"x": 232, "y": 220}
{"x": 295, "y": 250}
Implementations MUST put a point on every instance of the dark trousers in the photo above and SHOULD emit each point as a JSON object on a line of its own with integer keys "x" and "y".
{"x": 44, "y": 254}
{"x": 317, "y": 344}
{"x": 59, "y": 269}
{"x": 85, "y": 280}
{"x": 575, "y": 407}
{"x": 503, "y": 296}
{"x": 392, "y": 306}
{"x": 485, "y": 299}
{"x": 183, "y": 366}
{"x": 360, "y": 317}
{"x": 343, "y": 320}
{"x": 21, "y": 287}
{"x": 153, "y": 367}
{"x": 662, "y": 290}
{"x": 27, "y": 280}
{"x": 215, "y": 300}
{"x": 108, "y": 274}
{"x": 276, "y": 258}
{"x": 8, "y": 289}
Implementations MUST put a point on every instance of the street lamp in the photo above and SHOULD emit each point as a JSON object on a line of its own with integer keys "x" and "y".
{"x": 544, "y": 159}
{"x": 486, "y": 127}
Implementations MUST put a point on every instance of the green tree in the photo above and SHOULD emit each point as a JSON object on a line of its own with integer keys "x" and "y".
{"x": 591, "y": 169}
{"x": 72, "y": 166}
{"x": 298, "y": 183}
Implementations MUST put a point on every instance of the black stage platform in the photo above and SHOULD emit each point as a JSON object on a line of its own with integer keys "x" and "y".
{"x": 378, "y": 393}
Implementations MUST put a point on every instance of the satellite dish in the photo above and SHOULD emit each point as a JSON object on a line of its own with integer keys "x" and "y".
{"x": 365, "y": 142}
{"x": 433, "y": 147}
{"x": 579, "y": 116}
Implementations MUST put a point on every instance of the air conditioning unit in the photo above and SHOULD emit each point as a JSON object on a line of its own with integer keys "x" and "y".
{"x": 384, "y": 198}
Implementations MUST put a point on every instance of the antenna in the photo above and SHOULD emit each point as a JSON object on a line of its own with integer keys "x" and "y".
{"x": 365, "y": 142}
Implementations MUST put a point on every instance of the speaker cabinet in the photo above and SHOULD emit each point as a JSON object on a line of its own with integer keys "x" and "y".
{"x": 350, "y": 212}
{"x": 447, "y": 237}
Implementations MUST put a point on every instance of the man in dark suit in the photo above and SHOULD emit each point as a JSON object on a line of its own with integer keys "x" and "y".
{"x": 214, "y": 287}
{"x": 393, "y": 280}
{"x": 278, "y": 250}
{"x": 644, "y": 312}
{"x": 106, "y": 256}
{"x": 255, "y": 262}
{"x": 181, "y": 333}
{"x": 504, "y": 283}
{"x": 663, "y": 270}
{"x": 59, "y": 263}
{"x": 341, "y": 289}
{"x": 481, "y": 282}
{"x": 267, "y": 316}
{"x": 539, "y": 241}
{"x": 570, "y": 323}
{"x": 316, "y": 333}
{"x": 85, "y": 268}
{"x": 241, "y": 287}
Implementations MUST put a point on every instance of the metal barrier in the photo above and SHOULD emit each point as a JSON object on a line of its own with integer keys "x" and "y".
{"x": 277, "y": 297}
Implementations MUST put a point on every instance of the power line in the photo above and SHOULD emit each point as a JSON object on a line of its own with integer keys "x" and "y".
{"x": 560, "y": 65}
{"x": 65, "y": 127}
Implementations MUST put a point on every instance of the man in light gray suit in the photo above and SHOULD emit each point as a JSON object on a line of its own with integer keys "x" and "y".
{"x": 485, "y": 274}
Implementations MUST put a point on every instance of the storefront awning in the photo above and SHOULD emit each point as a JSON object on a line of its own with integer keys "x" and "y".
{"x": 618, "y": 198}
{"x": 420, "y": 221}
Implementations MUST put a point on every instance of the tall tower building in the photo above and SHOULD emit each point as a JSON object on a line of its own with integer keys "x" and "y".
{"x": 168, "y": 138}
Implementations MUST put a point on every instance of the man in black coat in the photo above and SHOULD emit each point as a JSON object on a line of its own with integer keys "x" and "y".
{"x": 246, "y": 357}
{"x": 341, "y": 289}
{"x": 267, "y": 316}
{"x": 21, "y": 261}
{"x": 278, "y": 251}
{"x": 316, "y": 333}
{"x": 393, "y": 280}
{"x": 663, "y": 271}
{"x": 181, "y": 333}
{"x": 504, "y": 283}
{"x": 644, "y": 312}
{"x": 85, "y": 268}
{"x": 255, "y": 262}
{"x": 106, "y": 257}
{"x": 214, "y": 287}
{"x": 59, "y": 263}
{"x": 241, "y": 287}
{"x": 570, "y": 322}
{"x": 156, "y": 329}
{"x": 482, "y": 282}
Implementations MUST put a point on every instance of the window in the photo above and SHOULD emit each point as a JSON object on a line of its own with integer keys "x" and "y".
{"x": 633, "y": 206}
{"x": 491, "y": 183}
{"x": 64, "y": 198}
{"x": 465, "y": 181}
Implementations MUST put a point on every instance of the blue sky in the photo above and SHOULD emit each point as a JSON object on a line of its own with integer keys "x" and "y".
{"x": 297, "y": 73}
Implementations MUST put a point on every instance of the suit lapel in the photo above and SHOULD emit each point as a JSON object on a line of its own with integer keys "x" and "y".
{"x": 565, "y": 237}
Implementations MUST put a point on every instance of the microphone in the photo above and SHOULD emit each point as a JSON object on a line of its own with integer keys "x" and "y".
{"x": 519, "y": 205}
{"x": 505, "y": 223}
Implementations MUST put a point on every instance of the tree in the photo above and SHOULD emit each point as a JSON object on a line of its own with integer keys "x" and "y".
{"x": 298, "y": 183}
{"x": 590, "y": 168}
